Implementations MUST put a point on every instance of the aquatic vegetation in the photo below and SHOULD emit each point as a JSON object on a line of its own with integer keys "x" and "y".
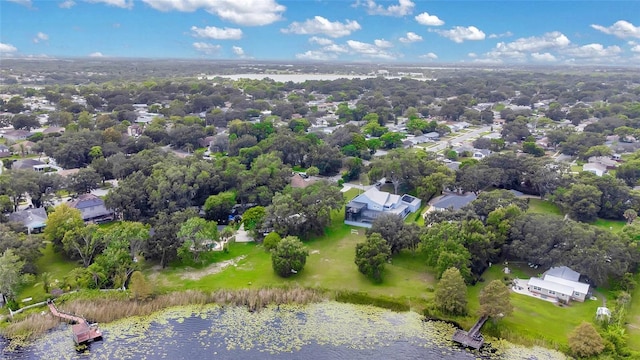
{"x": 204, "y": 331}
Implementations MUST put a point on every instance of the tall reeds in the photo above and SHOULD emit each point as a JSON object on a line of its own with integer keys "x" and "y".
{"x": 115, "y": 306}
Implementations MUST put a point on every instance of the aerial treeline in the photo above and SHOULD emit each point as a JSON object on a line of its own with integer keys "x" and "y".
{"x": 495, "y": 227}
{"x": 583, "y": 196}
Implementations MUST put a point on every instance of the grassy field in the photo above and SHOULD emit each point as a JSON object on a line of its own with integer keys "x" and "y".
{"x": 633, "y": 319}
{"x": 330, "y": 265}
{"x": 613, "y": 225}
{"x": 543, "y": 207}
{"x": 54, "y": 264}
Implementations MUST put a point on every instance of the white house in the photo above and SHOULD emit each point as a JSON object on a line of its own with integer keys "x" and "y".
{"x": 560, "y": 283}
{"x": 595, "y": 168}
{"x": 366, "y": 207}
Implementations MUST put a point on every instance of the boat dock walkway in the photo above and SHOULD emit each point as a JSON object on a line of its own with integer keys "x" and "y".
{"x": 82, "y": 331}
{"x": 473, "y": 338}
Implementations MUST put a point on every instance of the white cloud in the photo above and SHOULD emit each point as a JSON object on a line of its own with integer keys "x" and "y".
{"x": 369, "y": 50}
{"x": 67, "y": 4}
{"x": 594, "y": 51}
{"x": 636, "y": 49}
{"x": 213, "y": 32}
{"x": 460, "y": 33}
{"x": 621, "y": 28}
{"x": 410, "y": 37}
{"x": 383, "y": 44}
{"x": 429, "y": 20}
{"x": 22, "y": 2}
{"x": 316, "y": 55}
{"x": 543, "y": 57}
{"x": 40, "y": 36}
{"x": 125, "y": 4}
{"x": 238, "y": 51}
{"x": 472, "y": 55}
{"x": 320, "y": 41}
{"x": 206, "y": 47}
{"x": 404, "y": 7}
{"x": 7, "y": 48}
{"x": 551, "y": 40}
{"x": 96, "y": 54}
{"x": 505, "y": 34}
{"x": 335, "y": 48}
{"x": 430, "y": 55}
{"x": 246, "y": 12}
{"x": 320, "y": 25}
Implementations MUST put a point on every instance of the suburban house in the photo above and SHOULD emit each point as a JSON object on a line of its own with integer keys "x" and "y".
{"x": 33, "y": 219}
{"x": 607, "y": 161}
{"x": 24, "y": 147}
{"x": 595, "y": 168}
{"x": 366, "y": 207}
{"x": 28, "y": 164}
{"x": 16, "y": 135}
{"x": 92, "y": 208}
{"x": 454, "y": 201}
{"x": 481, "y": 153}
{"x": 299, "y": 180}
{"x": 4, "y": 151}
{"x": 560, "y": 283}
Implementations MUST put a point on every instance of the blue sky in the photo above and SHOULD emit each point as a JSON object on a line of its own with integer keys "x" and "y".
{"x": 411, "y": 31}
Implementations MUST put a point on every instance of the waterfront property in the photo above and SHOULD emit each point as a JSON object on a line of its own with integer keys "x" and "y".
{"x": 366, "y": 207}
{"x": 561, "y": 284}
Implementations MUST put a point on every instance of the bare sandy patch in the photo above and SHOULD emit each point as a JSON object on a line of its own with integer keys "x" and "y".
{"x": 211, "y": 269}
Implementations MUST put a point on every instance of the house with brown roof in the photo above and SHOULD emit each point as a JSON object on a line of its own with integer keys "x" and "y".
{"x": 299, "y": 180}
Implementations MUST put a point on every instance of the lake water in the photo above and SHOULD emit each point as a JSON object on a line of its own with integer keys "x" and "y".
{"x": 328, "y": 331}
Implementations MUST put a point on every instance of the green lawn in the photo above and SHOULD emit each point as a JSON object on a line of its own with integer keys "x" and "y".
{"x": 54, "y": 264}
{"x": 613, "y": 225}
{"x": 543, "y": 207}
{"x": 534, "y": 321}
{"x": 633, "y": 319}
{"x": 330, "y": 265}
{"x": 351, "y": 193}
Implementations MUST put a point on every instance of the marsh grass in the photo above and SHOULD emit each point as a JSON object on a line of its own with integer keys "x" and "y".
{"x": 28, "y": 327}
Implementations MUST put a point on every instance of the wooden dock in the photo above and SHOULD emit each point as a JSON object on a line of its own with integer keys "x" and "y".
{"x": 473, "y": 338}
{"x": 83, "y": 332}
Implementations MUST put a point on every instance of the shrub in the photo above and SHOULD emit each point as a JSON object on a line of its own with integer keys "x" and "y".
{"x": 271, "y": 241}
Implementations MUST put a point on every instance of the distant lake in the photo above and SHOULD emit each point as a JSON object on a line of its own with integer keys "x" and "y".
{"x": 300, "y": 78}
{"x": 329, "y": 330}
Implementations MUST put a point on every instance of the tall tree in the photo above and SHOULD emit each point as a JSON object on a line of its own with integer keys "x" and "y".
{"x": 63, "y": 218}
{"x": 197, "y": 236}
{"x": 83, "y": 242}
{"x": 10, "y": 271}
{"x": 289, "y": 256}
{"x": 371, "y": 256}
{"x": 451, "y": 293}
{"x": 218, "y": 207}
{"x": 84, "y": 181}
{"x": 390, "y": 228}
{"x": 495, "y": 301}
{"x": 585, "y": 341}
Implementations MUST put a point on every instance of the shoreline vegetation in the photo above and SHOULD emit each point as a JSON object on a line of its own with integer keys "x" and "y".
{"x": 101, "y": 307}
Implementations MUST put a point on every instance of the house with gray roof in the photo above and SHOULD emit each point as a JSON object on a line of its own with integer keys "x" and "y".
{"x": 92, "y": 208}
{"x": 559, "y": 283}
{"x": 33, "y": 219}
{"x": 454, "y": 201}
{"x": 366, "y": 207}
{"x": 4, "y": 151}
{"x": 26, "y": 164}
